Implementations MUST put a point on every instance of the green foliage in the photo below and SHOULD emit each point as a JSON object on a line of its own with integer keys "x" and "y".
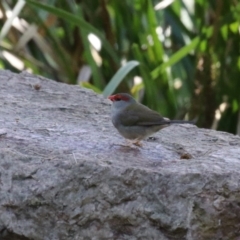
{"x": 182, "y": 59}
{"x": 118, "y": 77}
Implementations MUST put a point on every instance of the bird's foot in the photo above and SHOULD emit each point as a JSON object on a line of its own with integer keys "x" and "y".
{"x": 132, "y": 143}
{"x": 128, "y": 145}
{"x": 138, "y": 144}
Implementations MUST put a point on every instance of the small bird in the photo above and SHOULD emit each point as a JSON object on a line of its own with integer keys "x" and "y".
{"x": 134, "y": 121}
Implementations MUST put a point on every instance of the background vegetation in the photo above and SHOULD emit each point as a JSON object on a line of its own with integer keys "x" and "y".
{"x": 181, "y": 58}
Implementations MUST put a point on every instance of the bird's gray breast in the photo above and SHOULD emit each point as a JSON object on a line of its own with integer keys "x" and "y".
{"x": 115, "y": 117}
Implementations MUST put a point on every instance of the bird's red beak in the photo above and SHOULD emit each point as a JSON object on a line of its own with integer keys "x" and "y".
{"x": 111, "y": 97}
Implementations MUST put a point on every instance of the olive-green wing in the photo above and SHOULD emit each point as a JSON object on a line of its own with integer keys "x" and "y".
{"x": 140, "y": 115}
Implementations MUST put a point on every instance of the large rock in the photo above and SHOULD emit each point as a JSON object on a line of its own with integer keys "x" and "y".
{"x": 65, "y": 175}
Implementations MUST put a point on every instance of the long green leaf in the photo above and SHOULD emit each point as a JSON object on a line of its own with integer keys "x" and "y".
{"x": 78, "y": 22}
{"x": 97, "y": 76}
{"x": 152, "y": 21}
{"x": 118, "y": 77}
{"x": 175, "y": 57}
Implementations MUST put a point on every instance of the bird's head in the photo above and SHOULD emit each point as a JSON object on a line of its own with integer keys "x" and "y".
{"x": 121, "y": 100}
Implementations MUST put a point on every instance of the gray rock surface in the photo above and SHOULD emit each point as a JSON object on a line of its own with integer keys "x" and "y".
{"x": 64, "y": 174}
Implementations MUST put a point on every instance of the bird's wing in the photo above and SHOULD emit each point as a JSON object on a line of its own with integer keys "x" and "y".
{"x": 140, "y": 115}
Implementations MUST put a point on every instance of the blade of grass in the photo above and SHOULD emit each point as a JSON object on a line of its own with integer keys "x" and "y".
{"x": 97, "y": 76}
{"x": 90, "y": 86}
{"x": 118, "y": 77}
{"x": 8, "y": 24}
{"x": 175, "y": 57}
{"x": 152, "y": 21}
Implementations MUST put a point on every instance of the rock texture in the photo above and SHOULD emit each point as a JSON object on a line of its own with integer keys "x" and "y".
{"x": 64, "y": 174}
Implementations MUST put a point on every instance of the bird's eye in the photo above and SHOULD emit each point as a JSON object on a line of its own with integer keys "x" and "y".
{"x": 118, "y": 99}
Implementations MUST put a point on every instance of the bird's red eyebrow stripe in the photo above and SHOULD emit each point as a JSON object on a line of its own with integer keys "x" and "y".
{"x": 113, "y": 97}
